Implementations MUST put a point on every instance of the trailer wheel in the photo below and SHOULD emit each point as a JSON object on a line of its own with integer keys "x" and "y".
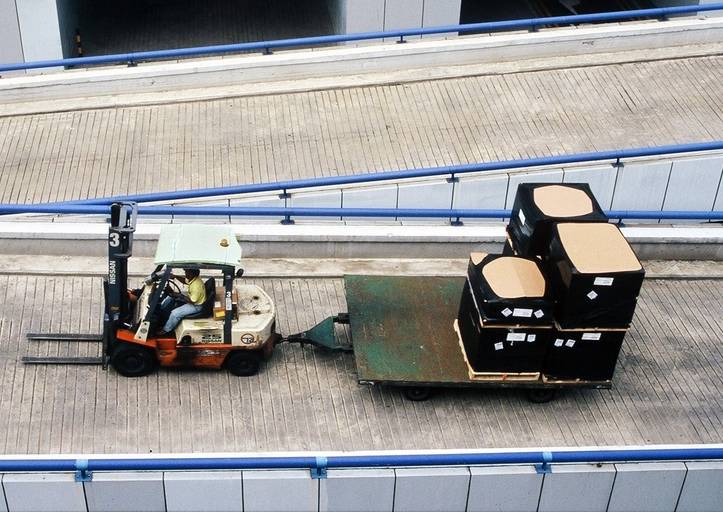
{"x": 133, "y": 361}
{"x": 417, "y": 393}
{"x": 541, "y": 395}
{"x": 243, "y": 363}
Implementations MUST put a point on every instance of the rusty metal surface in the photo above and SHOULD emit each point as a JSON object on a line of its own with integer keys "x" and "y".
{"x": 402, "y": 329}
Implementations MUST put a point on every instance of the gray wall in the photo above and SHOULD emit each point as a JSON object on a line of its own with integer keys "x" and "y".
{"x": 39, "y": 29}
{"x": 11, "y": 48}
{"x": 377, "y": 15}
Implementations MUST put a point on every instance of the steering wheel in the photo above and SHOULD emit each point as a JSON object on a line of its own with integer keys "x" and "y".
{"x": 174, "y": 288}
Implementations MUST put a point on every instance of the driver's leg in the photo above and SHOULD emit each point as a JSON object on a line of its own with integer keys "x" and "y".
{"x": 178, "y": 314}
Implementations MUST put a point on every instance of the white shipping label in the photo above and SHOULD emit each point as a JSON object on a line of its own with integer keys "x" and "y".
{"x": 516, "y": 336}
{"x": 603, "y": 281}
{"x": 592, "y": 295}
{"x": 507, "y": 311}
{"x": 499, "y": 346}
{"x": 559, "y": 342}
{"x": 570, "y": 343}
{"x": 539, "y": 313}
{"x": 591, "y": 336}
{"x": 527, "y": 313}
{"x": 521, "y": 216}
{"x": 531, "y": 337}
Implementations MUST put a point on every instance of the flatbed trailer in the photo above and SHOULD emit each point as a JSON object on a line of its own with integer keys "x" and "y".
{"x": 402, "y": 331}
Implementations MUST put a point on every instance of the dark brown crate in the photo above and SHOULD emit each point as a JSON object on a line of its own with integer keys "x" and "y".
{"x": 514, "y": 349}
{"x": 509, "y": 290}
{"x": 538, "y": 206}
{"x": 595, "y": 276}
{"x": 583, "y": 355}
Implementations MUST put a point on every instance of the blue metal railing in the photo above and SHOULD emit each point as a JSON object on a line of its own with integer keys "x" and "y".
{"x": 234, "y": 211}
{"x": 267, "y": 46}
{"x": 452, "y": 170}
{"x": 365, "y": 461}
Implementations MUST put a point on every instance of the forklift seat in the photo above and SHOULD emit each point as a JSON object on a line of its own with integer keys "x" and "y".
{"x": 207, "y": 307}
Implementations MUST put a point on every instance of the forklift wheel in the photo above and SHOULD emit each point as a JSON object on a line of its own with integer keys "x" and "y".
{"x": 417, "y": 393}
{"x": 541, "y": 395}
{"x": 133, "y": 361}
{"x": 243, "y": 363}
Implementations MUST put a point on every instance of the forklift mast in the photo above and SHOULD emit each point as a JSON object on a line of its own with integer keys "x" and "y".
{"x": 120, "y": 248}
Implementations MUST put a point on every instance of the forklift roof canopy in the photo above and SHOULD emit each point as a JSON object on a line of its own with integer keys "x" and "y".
{"x": 181, "y": 244}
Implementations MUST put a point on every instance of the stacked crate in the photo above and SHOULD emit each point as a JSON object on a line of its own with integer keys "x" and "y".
{"x": 591, "y": 279}
{"x": 505, "y": 319}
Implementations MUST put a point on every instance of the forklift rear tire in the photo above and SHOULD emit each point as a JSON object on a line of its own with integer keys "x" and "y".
{"x": 133, "y": 361}
{"x": 417, "y": 393}
{"x": 243, "y": 363}
{"x": 541, "y": 395}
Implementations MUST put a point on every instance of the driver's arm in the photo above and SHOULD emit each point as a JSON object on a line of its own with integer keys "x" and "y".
{"x": 179, "y": 278}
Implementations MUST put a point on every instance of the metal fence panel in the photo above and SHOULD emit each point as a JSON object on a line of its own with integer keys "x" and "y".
{"x": 351, "y": 490}
{"x": 577, "y": 488}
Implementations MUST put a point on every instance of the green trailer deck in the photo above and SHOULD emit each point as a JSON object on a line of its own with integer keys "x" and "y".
{"x": 403, "y": 334}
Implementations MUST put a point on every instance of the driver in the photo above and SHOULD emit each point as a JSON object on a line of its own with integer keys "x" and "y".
{"x": 191, "y": 303}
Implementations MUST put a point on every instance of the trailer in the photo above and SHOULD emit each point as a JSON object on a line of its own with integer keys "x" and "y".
{"x": 402, "y": 331}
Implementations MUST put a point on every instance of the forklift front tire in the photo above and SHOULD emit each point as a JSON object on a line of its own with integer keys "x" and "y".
{"x": 133, "y": 361}
{"x": 243, "y": 363}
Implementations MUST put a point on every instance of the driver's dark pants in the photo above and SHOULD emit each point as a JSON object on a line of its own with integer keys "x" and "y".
{"x": 177, "y": 314}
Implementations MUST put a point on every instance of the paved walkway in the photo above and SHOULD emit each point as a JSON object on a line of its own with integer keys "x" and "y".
{"x": 266, "y": 138}
{"x": 666, "y": 389}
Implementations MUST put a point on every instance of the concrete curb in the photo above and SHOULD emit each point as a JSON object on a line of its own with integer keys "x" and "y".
{"x": 320, "y": 268}
{"x": 268, "y": 241}
{"x": 355, "y": 66}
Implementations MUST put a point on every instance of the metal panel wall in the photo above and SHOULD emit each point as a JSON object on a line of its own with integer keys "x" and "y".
{"x": 261, "y": 201}
{"x": 351, "y": 490}
{"x": 39, "y": 29}
{"x": 719, "y": 197}
{"x": 403, "y": 14}
{"x": 363, "y": 15}
{"x": 212, "y": 491}
{"x": 548, "y": 176}
{"x": 43, "y": 492}
{"x": 320, "y": 199}
{"x": 647, "y": 487}
{"x": 369, "y": 197}
{"x": 441, "y": 12}
{"x": 200, "y": 219}
{"x": 481, "y": 192}
{"x": 425, "y": 194}
{"x": 11, "y": 48}
{"x": 600, "y": 178}
{"x": 703, "y": 488}
{"x": 641, "y": 186}
{"x": 693, "y": 184}
{"x": 3, "y": 501}
{"x": 577, "y": 488}
{"x": 120, "y": 492}
{"x": 431, "y": 489}
{"x": 504, "y": 489}
{"x": 280, "y": 491}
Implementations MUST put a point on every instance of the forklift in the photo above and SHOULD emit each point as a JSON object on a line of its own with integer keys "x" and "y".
{"x": 235, "y": 329}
